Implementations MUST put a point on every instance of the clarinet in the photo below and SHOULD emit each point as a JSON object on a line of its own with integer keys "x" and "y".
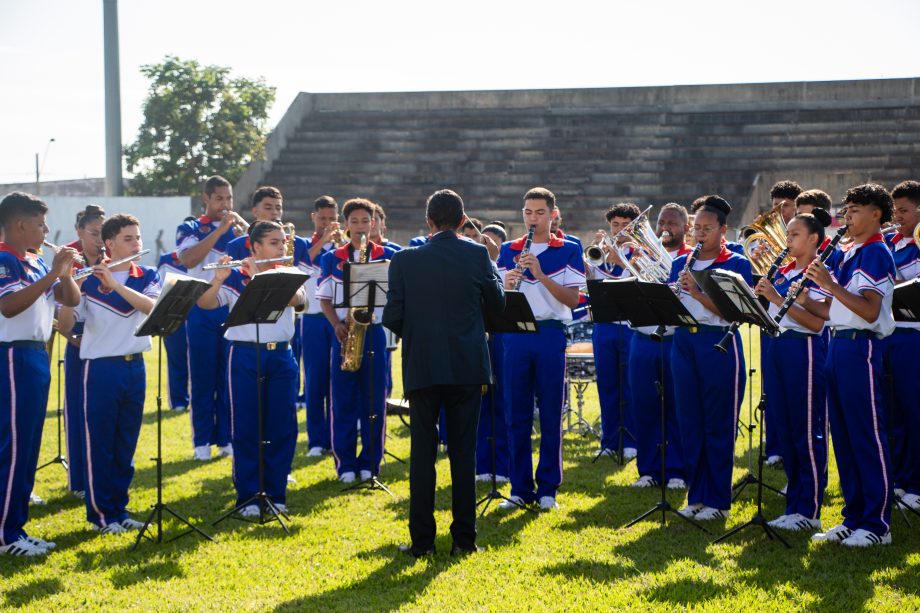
{"x": 771, "y": 273}
{"x": 524, "y": 252}
{"x": 791, "y": 297}
{"x": 659, "y": 332}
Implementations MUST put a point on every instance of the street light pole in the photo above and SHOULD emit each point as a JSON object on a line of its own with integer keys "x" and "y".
{"x": 113, "y": 181}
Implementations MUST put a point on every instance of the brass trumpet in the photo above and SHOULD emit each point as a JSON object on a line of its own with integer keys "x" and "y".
{"x": 594, "y": 254}
{"x": 240, "y": 225}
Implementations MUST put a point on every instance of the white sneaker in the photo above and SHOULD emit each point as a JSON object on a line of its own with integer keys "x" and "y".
{"x": 836, "y": 534}
{"x": 484, "y": 477}
{"x": 301, "y": 405}
{"x": 347, "y": 477}
{"x": 676, "y": 483}
{"x": 864, "y": 538}
{"x": 315, "y": 452}
{"x": 250, "y": 510}
{"x": 515, "y": 502}
{"x": 629, "y": 453}
{"x": 282, "y": 508}
{"x": 798, "y": 522}
{"x": 774, "y": 460}
{"x": 225, "y": 451}
{"x": 899, "y": 492}
{"x": 691, "y": 510}
{"x": 785, "y": 488}
{"x": 36, "y": 499}
{"x": 202, "y": 453}
{"x": 779, "y": 522}
{"x": 710, "y": 513}
{"x": 911, "y": 501}
{"x": 365, "y": 475}
{"x": 644, "y": 481}
{"x": 41, "y": 543}
{"x": 24, "y": 548}
{"x": 131, "y": 524}
{"x": 79, "y": 494}
{"x": 608, "y": 452}
{"x": 501, "y": 479}
{"x": 179, "y": 408}
{"x": 291, "y": 480}
{"x": 548, "y": 503}
{"x": 115, "y": 528}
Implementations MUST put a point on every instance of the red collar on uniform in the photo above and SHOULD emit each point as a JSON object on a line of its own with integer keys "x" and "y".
{"x": 560, "y": 234}
{"x": 314, "y": 238}
{"x": 786, "y": 268}
{"x": 206, "y": 220}
{"x": 77, "y": 244}
{"x": 135, "y": 271}
{"x": 8, "y": 249}
{"x": 554, "y": 242}
{"x": 875, "y": 238}
{"x": 684, "y": 250}
{"x": 343, "y": 254}
{"x": 248, "y": 246}
{"x": 723, "y": 255}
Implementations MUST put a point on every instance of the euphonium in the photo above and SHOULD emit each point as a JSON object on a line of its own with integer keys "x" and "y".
{"x": 650, "y": 261}
{"x": 769, "y": 229}
{"x": 356, "y": 323}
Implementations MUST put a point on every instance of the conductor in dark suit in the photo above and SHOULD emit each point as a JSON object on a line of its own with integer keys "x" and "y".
{"x": 436, "y": 299}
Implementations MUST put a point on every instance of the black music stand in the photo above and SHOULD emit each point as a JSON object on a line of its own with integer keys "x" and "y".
{"x": 905, "y": 305}
{"x": 738, "y": 304}
{"x": 60, "y": 458}
{"x": 365, "y": 287}
{"x": 171, "y": 309}
{"x": 263, "y": 302}
{"x": 516, "y": 318}
{"x": 646, "y": 304}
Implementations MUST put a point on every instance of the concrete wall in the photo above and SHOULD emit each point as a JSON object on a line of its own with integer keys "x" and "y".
{"x": 159, "y": 219}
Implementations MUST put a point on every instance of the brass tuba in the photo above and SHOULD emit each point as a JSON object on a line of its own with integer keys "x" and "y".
{"x": 769, "y": 230}
{"x": 650, "y": 262}
{"x": 356, "y": 323}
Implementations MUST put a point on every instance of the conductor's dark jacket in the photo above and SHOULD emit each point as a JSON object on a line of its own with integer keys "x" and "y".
{"x": 436, "y": 299}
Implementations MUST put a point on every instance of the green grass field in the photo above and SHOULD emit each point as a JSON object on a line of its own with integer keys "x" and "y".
{"x": 341, "y": 553}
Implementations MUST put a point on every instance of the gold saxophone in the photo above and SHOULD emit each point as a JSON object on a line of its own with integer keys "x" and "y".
{"x": 356, "y": 323}
{"x": 289, "y": 232}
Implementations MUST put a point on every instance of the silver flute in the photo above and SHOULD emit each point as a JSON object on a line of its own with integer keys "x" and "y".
{"x": 91, "y": 270}
{"x": 238, "y": 263}
{"x": 79, "y": 259}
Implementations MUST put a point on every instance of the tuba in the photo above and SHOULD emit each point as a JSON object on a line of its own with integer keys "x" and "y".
{"x": 769, "y": 230}
{"x": 650, "y": 262}
{"x": 356, "y": 323}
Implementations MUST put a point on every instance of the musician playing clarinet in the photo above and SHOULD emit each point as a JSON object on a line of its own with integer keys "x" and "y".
{"x": 549, "y": 275}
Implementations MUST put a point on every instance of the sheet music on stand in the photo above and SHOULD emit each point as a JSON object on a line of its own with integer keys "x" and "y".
{"x": 178, "y": 295}
{"x": 734, "y": 298}
{"x": 358, "y": 280}
{"x": 906, "y": 301}
{"x": 640, "y": 302}
{"x": 516, "y": 317}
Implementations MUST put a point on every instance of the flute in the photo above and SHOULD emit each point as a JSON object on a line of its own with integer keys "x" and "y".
{"x": 91, "y": 270}
{"x": 238, "y": 263}
{"x": 79, "y": 259}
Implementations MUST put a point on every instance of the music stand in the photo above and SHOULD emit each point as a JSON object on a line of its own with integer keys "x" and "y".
{"x": 168, "y": 314}
{"x": 263, "y": 301}
{"x": 905, "y": 305}
{"x": 365, "y": 287}
{"x": 737, "y": 304}
{"x": 646, "y": 304}
{"x": 60, "y": 458}
{"x": 516, "y": 318}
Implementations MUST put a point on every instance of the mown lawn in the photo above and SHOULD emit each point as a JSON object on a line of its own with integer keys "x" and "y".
{"x": 341, "y": 554}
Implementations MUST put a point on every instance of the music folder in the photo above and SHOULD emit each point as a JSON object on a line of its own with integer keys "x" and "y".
{"x": 639, "y": 302}
{"x": 178, "y": 295}
{"x": 733, "y": 297}
{"x": 266, "y": 296}
{"x": 516, "y": 317}
{"x": 906, "y": 301}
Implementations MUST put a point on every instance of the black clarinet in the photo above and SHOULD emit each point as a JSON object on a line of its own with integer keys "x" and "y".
{"x": 791, "y": 297}
{"x": 722, "y": 345}
{"x": 527, "y": 243}
{"x": 659, "y": 332}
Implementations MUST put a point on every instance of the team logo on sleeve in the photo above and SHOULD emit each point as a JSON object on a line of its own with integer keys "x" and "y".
{"x": 779, "y": 280}
{"x": 4, "y": 271}
{"x": 204, "y": 229}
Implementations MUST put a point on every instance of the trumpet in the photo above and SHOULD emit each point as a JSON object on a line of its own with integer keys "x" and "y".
{"x": 90, "y": 270}
{"x": 594, "y": 254}
{"x": 340, "y": 238}
{"x": 238, "y": 263}
{"x": 79, "y": 259}
{"x": 240, "y": 225}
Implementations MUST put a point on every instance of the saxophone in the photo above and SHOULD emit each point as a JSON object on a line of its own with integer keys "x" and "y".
{"x": 289, "y": 232}
{"x": 356, "y": 323}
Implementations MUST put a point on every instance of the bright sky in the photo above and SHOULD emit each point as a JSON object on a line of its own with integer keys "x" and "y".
{"x": 51, "y": 56}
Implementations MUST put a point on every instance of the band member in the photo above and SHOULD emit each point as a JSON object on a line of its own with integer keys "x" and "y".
{"x": 711, "y": 383}
{"x": 812, "y": 199}
{"x": 733, "y": 246}
{"x": 278, "y": 369}
{"x": 114, "y": 302}
{"x": 556, "y": 229}
{"x": 268, "y": 205}
{"x": 611, "y": 342}
{"x": 783, "y": 194}
{"x": 445, "y": 363}
{"x": 352, "y": 392}
{"x": 793, "y": 377}
{"x": 650, "y": 361}
{"x": 176, "y": 344}
{"x": 901, "y": 350}
{"x": 89, "y": 245}
{"x": 549, "y": 275}
{"x": 316, "y": 332}
{"x": 380, "y": 229}
{"x": 200, "y": 242}
{"x": 28, "y": 290}
{"x": 860, "y": 284}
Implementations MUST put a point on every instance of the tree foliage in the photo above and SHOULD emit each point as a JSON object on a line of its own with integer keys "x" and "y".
{"x": 198, "y": 121}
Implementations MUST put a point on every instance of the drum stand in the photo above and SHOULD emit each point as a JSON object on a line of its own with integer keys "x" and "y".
{"x": 59, "y": 458}
{"x": 579, "y": 424}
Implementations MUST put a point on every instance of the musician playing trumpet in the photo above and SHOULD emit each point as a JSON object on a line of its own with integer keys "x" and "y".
{"x": 549, "y": 276}
{"x": 278, "y": 369}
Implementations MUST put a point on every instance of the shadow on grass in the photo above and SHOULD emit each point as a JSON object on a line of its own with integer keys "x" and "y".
{"x": 32, "y": 592}
{"x": 147, "y": 570}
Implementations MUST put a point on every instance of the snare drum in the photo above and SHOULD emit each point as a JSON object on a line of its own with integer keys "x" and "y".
{"x": 578, "y": 332}
{"x": 580, "y": 366}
